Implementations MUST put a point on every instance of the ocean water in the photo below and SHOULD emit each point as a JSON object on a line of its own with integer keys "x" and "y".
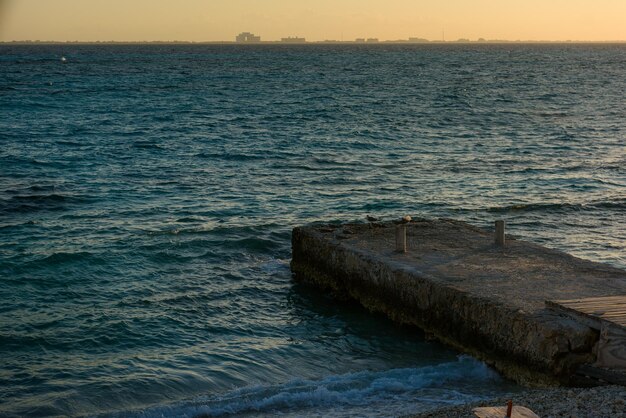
{"x": 147, "y": 194}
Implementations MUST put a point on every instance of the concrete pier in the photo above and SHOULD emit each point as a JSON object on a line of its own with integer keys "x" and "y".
{"x": 460, "y": 286}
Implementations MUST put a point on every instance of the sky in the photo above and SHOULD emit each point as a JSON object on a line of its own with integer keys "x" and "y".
{"x": 222, "y": 20}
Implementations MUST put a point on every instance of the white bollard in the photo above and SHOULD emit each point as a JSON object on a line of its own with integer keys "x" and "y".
{"x": 401, "y": 238}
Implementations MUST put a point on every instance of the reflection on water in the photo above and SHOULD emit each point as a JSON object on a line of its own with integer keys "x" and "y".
{"x": 147, "y": 194}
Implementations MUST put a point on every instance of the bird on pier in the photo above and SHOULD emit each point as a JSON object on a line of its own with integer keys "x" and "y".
{"x": 372, "y": 218}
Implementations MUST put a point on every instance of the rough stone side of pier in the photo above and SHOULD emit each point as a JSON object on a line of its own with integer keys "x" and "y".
{"x": 536, "y": 349}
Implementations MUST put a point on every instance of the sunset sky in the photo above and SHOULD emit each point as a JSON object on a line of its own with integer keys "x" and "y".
{"x": 218, "y": 20}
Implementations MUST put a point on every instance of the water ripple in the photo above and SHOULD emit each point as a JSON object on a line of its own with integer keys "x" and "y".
{"x": 147, "y": 194}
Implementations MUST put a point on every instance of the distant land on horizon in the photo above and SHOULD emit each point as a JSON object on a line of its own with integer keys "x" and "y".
{"x": 330, "y": 41}
{"x": 218, "y": 21}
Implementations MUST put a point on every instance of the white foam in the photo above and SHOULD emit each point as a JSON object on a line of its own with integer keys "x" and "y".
{"x": 365, "y": 393}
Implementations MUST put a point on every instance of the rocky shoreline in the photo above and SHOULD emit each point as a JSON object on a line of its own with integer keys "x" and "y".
{"x": 598, "y": 402}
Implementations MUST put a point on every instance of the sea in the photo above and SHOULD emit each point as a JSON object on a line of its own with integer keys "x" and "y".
{"x": 148, "y": 193}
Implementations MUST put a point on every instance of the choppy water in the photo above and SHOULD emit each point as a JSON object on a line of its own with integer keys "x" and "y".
{"x": 147, "y": 195}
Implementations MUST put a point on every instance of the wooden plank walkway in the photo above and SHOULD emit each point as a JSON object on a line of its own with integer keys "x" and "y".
{"x": 592, "y": 311}
{"x": 606, "y": 314}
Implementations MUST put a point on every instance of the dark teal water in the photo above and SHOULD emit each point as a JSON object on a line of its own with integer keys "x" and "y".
{"x": 147, "y": 195}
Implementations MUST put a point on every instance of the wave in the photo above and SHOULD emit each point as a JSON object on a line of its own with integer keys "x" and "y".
{"x": 217, "y": 227}
{"x": 213, "y": 248}
{"x": 400, "y": 389}
{"x": 33, "y": 203}
{"x": 63, "y": 257}
{"x": 34, "y": 188}
{"x": 231, "y": 156}
{"x": 146, "y": 145}
{"x": 533, "y": 207}
{"x": 36, "y": 201}
{"x": 54, "y": 260}
{"x": 619, "y": 204}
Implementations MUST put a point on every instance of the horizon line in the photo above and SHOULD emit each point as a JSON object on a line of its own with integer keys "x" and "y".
{"x": 328, "y": 41}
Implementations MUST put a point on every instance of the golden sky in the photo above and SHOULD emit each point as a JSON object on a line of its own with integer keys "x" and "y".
{"x": 215, "y": 20}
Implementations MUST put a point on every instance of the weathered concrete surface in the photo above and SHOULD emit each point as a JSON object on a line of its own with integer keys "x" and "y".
{"x": 457, "y": 285}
